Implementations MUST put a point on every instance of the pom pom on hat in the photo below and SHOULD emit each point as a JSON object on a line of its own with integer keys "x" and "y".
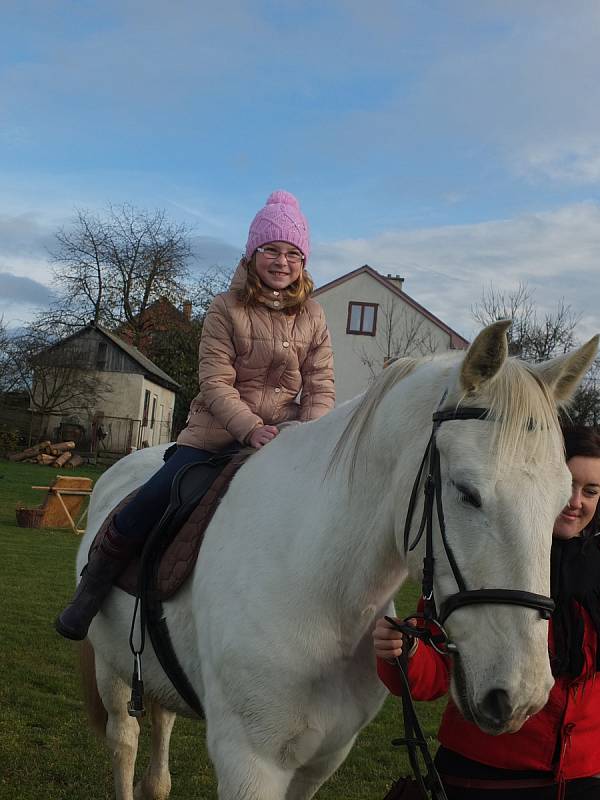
{"x": 279, "y": 221}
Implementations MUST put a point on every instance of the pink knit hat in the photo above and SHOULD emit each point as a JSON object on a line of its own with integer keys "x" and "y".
{"x": 279, "y": 221}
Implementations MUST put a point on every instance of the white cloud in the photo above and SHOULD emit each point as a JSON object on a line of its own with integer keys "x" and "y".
{"x": 447, "y": 268}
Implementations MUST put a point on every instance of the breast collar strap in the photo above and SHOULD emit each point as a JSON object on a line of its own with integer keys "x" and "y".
{"x": 432, "y": 489}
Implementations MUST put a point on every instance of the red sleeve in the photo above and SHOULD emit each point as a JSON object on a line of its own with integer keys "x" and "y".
{"x": 428, "y": 672}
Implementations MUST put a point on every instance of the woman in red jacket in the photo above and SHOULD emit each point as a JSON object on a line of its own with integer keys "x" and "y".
{"x": 556, "y": 753}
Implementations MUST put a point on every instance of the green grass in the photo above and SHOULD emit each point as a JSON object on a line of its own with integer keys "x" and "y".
{"x": 46, "y": 748}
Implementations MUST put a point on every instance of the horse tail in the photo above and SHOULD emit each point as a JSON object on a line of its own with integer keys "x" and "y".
{"x": 91, "y": 697}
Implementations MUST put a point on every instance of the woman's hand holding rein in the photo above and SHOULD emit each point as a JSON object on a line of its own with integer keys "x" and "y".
{"x": 388, "y": 642}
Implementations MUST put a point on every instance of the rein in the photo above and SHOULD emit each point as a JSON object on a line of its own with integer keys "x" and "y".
{"x": 433, "y": 632}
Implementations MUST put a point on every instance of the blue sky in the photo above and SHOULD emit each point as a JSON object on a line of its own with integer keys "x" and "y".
{"x": 455, "y": 144}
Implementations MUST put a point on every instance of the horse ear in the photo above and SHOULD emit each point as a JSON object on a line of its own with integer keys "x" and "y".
{"x": 563, "y": 374}
{"x": 485, "y": 356}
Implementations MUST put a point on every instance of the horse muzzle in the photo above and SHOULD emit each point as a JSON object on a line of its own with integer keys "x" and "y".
{"x": 497, "y": 711}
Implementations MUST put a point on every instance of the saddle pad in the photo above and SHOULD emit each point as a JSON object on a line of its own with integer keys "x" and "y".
{"x": 180, "y": 556}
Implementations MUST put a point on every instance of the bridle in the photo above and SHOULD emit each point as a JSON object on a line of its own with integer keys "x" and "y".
{"x": 430, "y": 783}
{"x": 432, "y": 488}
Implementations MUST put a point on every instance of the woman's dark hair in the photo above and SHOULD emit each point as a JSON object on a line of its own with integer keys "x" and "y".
{"x": 583, "y": 441}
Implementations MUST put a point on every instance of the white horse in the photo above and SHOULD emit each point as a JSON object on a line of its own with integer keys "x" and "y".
{"x": 305, "y": 552}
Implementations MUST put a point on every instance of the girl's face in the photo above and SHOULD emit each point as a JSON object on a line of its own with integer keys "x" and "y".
{"x": 273, "y": 266}
{"x": 579, "y": 511}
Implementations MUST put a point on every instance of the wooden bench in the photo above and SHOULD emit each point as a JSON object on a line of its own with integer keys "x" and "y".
{"x": 65, "y": 505}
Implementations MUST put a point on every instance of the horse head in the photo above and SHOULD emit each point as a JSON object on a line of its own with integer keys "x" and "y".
{"x": 503, "y": 480}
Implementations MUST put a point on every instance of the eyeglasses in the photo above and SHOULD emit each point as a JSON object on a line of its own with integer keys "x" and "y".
{"x": 292, "y": 256}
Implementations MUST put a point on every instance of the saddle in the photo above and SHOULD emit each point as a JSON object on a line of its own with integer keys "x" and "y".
{"x": 196, "y": 492}
{"x": 168, "y": 558}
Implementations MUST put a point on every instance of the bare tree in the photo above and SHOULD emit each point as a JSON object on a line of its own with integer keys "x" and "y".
{"x": 584, "y": 409}
{"x": 110, "y": 269}
{"x": 535, "y": 338}
{"x": 5, "y": 369}
{"x": 397, "y": 335}
{"x": 530, "y": 337}
{"x": 205, "y": 286}
{"x": 82, "y": 270}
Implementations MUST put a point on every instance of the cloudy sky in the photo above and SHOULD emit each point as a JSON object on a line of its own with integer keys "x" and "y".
{"x": 455, "y": 144}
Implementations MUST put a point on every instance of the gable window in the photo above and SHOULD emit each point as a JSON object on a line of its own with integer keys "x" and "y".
{"x": 362, "y": 318}
{"x": 101, "y": 355}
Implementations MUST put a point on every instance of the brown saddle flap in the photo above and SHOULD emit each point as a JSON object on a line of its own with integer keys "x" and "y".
{"x": 180, "y": 556}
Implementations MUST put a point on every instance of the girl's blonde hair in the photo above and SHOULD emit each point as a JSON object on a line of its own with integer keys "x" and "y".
{"x": 296, "y": 294}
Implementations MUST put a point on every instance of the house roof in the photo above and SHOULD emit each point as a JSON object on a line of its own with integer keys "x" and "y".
{"x": 457, "y": 341}
{"x": 151, "y": 371}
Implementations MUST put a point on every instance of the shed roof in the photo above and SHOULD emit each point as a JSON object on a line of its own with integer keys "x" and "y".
{"x": 151, "y": 370}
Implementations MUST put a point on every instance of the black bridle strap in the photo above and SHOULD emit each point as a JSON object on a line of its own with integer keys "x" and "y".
{"x": 413, "y": 502}
{"x": 437, "y": 483}
{"x": 433, "y": 496}
{"x": 466, "y": 412}
{"x": 509, "y": 597}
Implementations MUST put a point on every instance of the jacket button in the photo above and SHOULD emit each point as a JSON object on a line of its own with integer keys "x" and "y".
{"x": 277, "y": 390}
{"x": 275, "y": 303}
{"x": 276, "y": 293}
{"x": 286, "y": 344}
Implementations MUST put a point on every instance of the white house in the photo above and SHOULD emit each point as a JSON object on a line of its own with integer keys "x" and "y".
{"x": 371, "y": 319}
{"x": 134, "y": 401}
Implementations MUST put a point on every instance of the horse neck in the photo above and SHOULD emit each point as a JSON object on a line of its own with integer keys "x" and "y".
{"x": 368, "y": 564}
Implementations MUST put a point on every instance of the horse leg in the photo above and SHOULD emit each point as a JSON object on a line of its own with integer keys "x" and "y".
{"x": 122, "y": 731}
{"x": 242, "y": 773}
{"x": 156, "y": 783}
{"x": 309, "y": 778}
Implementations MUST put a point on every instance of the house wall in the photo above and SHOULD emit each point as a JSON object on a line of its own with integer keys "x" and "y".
{"x": 358, "y": 358}
{"x": 159, "y": 417}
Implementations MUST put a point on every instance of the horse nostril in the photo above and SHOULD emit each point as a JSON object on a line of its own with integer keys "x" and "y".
{"x": 496, "y": 706}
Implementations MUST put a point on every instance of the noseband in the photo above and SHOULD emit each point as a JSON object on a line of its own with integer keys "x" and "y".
{"x": 432, "y": 488}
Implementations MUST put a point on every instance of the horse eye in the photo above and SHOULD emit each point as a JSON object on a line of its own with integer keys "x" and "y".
{"x": 469, "y": 496}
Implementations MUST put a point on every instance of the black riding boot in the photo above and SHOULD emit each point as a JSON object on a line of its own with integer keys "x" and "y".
{"x": 102, "y": 570}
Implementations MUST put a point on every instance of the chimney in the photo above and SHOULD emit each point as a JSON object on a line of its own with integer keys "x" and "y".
{"x": 396, "y": 279}
{"x": 186, "y": 309}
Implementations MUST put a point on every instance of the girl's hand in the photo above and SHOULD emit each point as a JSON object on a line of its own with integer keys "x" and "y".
{"x": 387, "y": 641}
{"x": 262, "y": 435}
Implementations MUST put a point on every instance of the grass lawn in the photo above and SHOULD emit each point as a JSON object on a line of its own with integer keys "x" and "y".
{"x": 46, "y": 748}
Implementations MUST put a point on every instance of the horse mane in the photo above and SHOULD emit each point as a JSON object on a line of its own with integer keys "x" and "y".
{"x": 516, "y": 398}
{"x": 357, "y": 427}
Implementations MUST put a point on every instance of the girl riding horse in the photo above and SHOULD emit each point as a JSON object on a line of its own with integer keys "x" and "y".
{"x": 264, "y": 342}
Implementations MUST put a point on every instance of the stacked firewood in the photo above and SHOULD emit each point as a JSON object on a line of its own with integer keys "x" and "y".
{"x": 59, "y": 454}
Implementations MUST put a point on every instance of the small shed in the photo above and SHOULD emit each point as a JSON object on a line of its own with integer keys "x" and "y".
{"x": 134, "y": 401}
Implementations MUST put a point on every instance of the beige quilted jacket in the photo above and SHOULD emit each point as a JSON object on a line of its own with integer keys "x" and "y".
{"x": 253, "y": 362}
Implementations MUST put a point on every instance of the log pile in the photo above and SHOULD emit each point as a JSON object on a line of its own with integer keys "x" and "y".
{"x": 59, "y": 454}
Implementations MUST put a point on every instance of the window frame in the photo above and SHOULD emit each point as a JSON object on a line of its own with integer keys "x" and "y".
{"x": 362, "y": 306}
{"x": 101, "y": 355}
{"x": 146, "y": 408}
